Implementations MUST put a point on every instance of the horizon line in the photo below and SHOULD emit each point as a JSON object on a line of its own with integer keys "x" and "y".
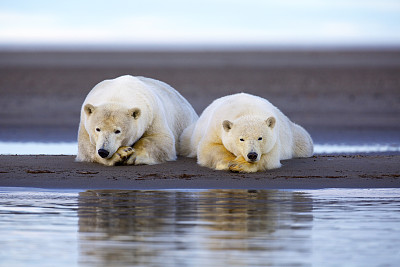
{"x": 36, "y": 47}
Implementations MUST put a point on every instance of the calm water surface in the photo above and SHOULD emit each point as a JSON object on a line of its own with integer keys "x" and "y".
{"x": 71, "y": 148}
{"x": 333, "y": 227}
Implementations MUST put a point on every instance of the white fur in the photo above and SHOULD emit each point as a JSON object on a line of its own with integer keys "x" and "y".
{"x": 264, "y": 129}
{"x": 149, "y": 114}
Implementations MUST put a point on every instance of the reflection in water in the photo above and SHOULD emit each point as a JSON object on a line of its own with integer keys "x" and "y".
{"x": 36, "y": 225}
{"x": 213, "y": 227}
{"x": 331, "y": 227}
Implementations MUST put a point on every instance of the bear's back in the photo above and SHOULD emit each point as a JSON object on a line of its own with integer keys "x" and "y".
{"x": 168, "y": 95}
{"x": 124, "y": 89}
{"x": 234, "y": 106}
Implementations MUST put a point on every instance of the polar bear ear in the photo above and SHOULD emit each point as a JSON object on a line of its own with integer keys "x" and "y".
{"x": 135, "y": 113}
{"x": 271, "y": 122}
{"x": 227, "y": 125}
{"x": 89, "y": 109}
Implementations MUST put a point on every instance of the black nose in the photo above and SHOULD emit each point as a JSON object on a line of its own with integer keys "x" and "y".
{"x": 252, "y": 156}
{"x": 103, "y": 153}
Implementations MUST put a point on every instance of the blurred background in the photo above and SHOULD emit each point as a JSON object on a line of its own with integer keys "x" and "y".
{"x": 180, "y": 23}
{"x": 331, "y": 66}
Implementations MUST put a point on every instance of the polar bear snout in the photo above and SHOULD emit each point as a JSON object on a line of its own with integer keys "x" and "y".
{"x": 252, "y": 156}
{"x": 103, "y": 153}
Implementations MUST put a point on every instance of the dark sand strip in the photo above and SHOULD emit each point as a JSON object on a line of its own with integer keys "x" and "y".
{"x": 61, "y": 172}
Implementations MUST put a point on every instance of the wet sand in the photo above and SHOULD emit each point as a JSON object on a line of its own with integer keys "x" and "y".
{"x": 341, "y": 96}
{"x": 352, "y": 171}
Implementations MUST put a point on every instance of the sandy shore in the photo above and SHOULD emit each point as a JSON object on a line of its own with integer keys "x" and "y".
{"x": 357, "y": 171}
{"x": 350, "y": 97}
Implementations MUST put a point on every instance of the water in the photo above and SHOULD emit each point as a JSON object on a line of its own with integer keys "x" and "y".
{"x": 71, "y": 148}
{"x": 35, "y": 226}
{"x": 332, "y": 227}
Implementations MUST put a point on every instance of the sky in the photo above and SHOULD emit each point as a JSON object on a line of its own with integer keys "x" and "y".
{"x": 206, "y": 22}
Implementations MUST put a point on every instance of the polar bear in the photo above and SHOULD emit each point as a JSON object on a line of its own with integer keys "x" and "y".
{"x": 132, "y": 120}
{"x": 244, "y": 133}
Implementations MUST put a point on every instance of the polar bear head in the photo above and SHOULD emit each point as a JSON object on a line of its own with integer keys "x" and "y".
{"x": 111, "y": 126}
{"x": 249, "y": 136}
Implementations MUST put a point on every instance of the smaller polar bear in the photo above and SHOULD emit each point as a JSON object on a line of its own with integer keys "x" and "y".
{"x": 132, "y": 120}
{"x": 244, "y": 133}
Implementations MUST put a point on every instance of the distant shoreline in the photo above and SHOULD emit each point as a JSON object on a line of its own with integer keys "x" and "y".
{"x": 71, "y": 148}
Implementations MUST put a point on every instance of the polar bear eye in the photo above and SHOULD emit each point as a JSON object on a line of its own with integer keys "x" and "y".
{"x": 117, "y": 131}
{"x": 98, "y": 129}
{"x": 259, "y": 138}
{"x": 241, "y": 140}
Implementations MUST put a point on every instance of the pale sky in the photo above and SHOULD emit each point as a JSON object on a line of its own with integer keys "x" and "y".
{"x": 211, "y": 22}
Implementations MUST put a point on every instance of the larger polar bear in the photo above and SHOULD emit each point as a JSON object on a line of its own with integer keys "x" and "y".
{"x": 244, "y": 133}
{"x": 132, "y": 120}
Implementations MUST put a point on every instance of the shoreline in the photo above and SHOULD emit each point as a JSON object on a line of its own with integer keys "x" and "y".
{"x": 71, "y": 148}
{"x": 317, "y": 172}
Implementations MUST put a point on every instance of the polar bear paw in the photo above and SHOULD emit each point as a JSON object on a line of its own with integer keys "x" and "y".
{"x": 241, "y": 165}
{"x": 123, "y": 155}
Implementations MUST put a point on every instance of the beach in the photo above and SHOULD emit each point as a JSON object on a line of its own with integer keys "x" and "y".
{"x": 61, "y": 172}
{"x": 340, "y": 96}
